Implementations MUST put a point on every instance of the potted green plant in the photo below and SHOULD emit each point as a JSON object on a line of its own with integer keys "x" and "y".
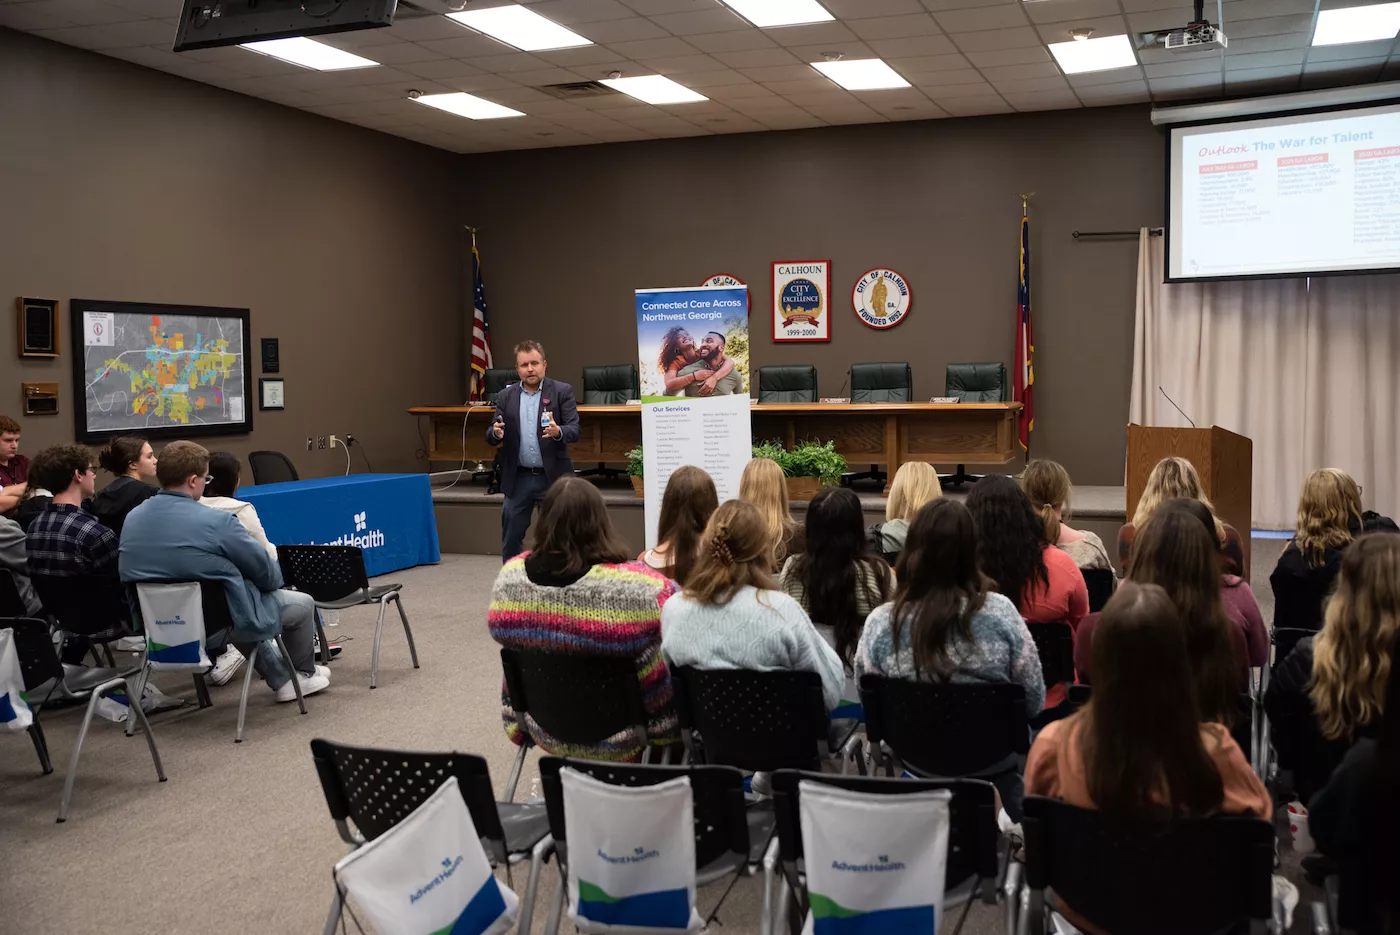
{"x": 635, "y": 463}
{"x": 809, "y": 467}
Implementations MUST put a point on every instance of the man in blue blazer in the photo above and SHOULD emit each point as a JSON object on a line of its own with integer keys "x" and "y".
{"x": 535, "y": 422}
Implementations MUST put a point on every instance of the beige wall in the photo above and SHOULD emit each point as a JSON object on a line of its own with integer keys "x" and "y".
{"x": 567, "y": 234}
{"x": 122, "y": 183}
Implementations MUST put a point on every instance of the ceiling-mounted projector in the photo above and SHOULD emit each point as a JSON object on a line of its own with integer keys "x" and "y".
{"x": 1196, "y": 35}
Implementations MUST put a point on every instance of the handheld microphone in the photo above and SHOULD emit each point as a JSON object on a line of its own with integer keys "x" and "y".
{"x": 1175, "y": 406}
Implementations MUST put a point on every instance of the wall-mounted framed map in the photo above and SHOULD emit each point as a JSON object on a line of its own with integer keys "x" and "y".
{"x": 160, "y": 371}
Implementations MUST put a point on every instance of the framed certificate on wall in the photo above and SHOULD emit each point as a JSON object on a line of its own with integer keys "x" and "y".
{"x": 270, "y": 393}
{"x": 801, "y": 306}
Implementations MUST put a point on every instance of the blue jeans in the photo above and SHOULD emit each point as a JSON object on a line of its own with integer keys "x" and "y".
{"x": 517, "y": 509}
{"x": 298, "y": 630}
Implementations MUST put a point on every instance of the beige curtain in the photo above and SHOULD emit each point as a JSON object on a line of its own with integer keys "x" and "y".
{"x": 1307, "y": 368}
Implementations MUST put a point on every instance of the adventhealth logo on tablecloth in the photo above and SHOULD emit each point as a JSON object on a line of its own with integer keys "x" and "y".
{"x": 362, "y": 537}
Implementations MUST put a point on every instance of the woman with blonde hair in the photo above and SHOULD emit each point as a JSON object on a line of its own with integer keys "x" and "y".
{"x": 1171, "y": 479}
{"x": 914, "y": 484}
{"x": 686, "y": 506}
{"x": 763, "y": 485}
{"x": 1330, "y": 689}
{"x": 1047, "y": 485}
{"x": 730, "y": 615}
{"x": 1329, "y": 517}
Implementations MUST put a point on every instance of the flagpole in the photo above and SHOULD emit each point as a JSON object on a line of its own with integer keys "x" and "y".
{"x": 1025, "y": 216}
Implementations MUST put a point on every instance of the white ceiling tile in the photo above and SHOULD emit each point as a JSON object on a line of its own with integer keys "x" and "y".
{"x": 1236, "y": 10}
{"x": 1102, "y": 26}
{"x": 473, "y": 84}
{"x": 151, "y": 9}
{"x": 653, "y": 48}
{"x": 402, "y": 53}
{"x": 832, "y": 96}
{"x": 30, "y": 17}
{"x": 712, "y": 78}
{"x": 683, "y": 64}
{"x": 1205, "y": 84}
{"x": 1296, "y": 40}
{"x": 938, "y": 6}
{"x": 813, "y": 34}
{"x": 770, "y": 73}
{"x": 1043, "y": 100}
{"x": 587, "y": 55}
{"x": 466, "y": 45}
{"x": 895, "y": 27}
{"x": 1299, "y": 24}
{"x": 368, "y": 38}
{"x": 803, "y": 122}
{"x": 570, "y": 12}
{"x": 1158, "y": 55}
{"x": 942, "y": 78}
{"x": 865, "y": 9}
{"x": 1027, "y": 85}
{"x": 654, "y": 7}
{"x": 442, "y": 68}
{"x": 84, "y": 37}
{"x": 718, "y": 19}
{"x": 968, "y": 89}
{"x": 847, "y": 50}
{"x": 1235, "y": 62}
{"x": 1001, "y": 16}
{"x": 974, "y": 106}
{"x": 1120, "y": 92}
{"x": 630, "y": 29}
{"x": 740, "y": 40}
{"x": 534, "y": 78}
{"x": 1354, "y": 50}
{"x": 913, "y": 45}
{"x": 423, "y": 28}
{"x": 816, "y": 84}
{"x": 149, "y": 57}
{"x": 1021, "y": 72}
{"x": 88, "y": 12}
{"x": 505, "y": 64}
{"x": 151, "y": 32}
{"x": 758, "y": 58}
{"x": 1199, "y": 66}
{"x": 1096, "y": 79}
{"x": 1137, "y": 6}
{"x": 1255, "y": 75}
{"x": 927, "y": 64}
{"x": 1065, "y": 11}
{"x": 1372, "y": 65}
{"x": 993, "y": 40}
{"x": 1028, "y": 55}
{"x": 1164, "y": 20}
{"x": 739, "y": 92}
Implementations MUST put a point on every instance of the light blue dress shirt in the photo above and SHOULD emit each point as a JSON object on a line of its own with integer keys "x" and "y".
{"x": 530, "y": 429}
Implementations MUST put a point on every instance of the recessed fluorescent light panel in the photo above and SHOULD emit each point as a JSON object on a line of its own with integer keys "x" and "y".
{"x": 467, "y": 105}
{"x": 522, "y": 28}
{"x": 308, "y": 53}
{"x": 862, "y": 74}
{"x": 764, "y": 13}
{"x": 654, "y": 89}
{"x": 1357, "y": 24}
{"x": 1080, "y": 55}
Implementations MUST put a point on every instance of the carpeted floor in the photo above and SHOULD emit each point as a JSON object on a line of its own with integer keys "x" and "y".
{"x": 239, "y": 839}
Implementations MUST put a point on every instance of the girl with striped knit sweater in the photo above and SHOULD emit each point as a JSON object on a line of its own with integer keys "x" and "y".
{"x": 575, "y": 592}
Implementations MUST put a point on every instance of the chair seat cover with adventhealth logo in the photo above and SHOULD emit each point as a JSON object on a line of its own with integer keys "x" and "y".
{"x": 428, "y": 875}
{"x": 875, "y": 863}
{"x": 631, "y": 855}
{"x": 174, "y": 620}
{"x": 14, "y": 706}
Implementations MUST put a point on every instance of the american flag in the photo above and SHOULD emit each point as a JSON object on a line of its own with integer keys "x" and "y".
{"x": 1025, "y": 344}
{"x": 481, "y": 333}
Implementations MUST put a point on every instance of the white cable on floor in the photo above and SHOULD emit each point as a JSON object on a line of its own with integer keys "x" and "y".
{"x": 463, "y": 467}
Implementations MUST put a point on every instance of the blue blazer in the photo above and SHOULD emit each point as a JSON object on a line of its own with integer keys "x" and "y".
{"x": 559, "y": 400}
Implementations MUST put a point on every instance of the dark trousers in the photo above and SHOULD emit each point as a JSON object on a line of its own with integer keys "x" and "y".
{"x": 517, "y": 509}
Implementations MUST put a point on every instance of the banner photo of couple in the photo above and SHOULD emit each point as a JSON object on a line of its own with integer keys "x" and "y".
{"x": 693, "y": 342}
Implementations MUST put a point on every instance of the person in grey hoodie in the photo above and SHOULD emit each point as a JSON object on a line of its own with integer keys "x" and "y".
{"x": 15, "y": 560}
{"x": 133, "y": 465}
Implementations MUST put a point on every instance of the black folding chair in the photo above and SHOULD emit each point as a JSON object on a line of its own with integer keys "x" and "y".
{"x": 376, "y": 789}
{"x": 11, "y": 604}
{"x": 87, "y": 607}
{"x": 1202, "y": 876}
{"x": 973, "y": 863}
{"x": 943, "y": 729}
{"x": 757, "y": 720}
{"x": 1100, "y": 582}
{"x": 724, "y": 829}
{"x": 1055, "y": 644}
{"x": 39, "y": 665}
{"x": 334, "y": 576}
{"x": 218, "y": 630}
{"x": 579, "y": 700}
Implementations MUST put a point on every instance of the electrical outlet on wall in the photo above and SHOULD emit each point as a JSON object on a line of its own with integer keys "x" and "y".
{"x": 320, "y": 441}
{"x": 308, "y": 443}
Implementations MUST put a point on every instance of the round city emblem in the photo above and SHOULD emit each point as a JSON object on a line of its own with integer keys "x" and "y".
{"x": 881, "y": 298}
{"x": 720, "y": 280}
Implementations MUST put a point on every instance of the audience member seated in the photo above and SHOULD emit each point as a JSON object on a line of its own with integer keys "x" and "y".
{"x": 224, "y": 473}
{"x": 1235, "y": 593}
{"x": 948, "y": 624}
{"x": 35, "y": 500}
{"x": 65, "y": 540}
{"x": 730, "y": 614}
{"x": 14, "y": 467}
{"x": 576, "y": 592}
{"x": 1047, "y": 485}
{"x": 1330, "y": 690}
{"x": 838, "y": 581}
{"x": 132, "y": 462}
{"x": 172, "y": 537}
{"x": 14, "y": 559}
{"x": 1355, "y": 821}
{"x": 1142, "y": 748}
{"x": 1329, "y": 516}
{"x": 1044, "y": 582}
{"x": 1170, "y": 479}
{"x": 763, "y": 485}
{"x": 1174, "y": 550}
{"x": 686, "y": 507}
{"x": 914, "y": 484}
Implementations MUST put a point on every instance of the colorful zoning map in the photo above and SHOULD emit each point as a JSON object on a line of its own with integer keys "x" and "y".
{"x": 144, "y": 371}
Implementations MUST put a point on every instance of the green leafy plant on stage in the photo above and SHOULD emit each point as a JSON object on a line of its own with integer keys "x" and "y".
{"x": 635, "y": 462}
{"x": 809, "y": 459}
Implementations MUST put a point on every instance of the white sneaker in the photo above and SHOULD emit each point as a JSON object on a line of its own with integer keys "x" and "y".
{"x": 324, "y": 672}
{"x": 228, "y": 664}
{"x": 310, "y": 685}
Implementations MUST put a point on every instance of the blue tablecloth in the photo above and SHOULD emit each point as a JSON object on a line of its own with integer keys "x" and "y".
{"x": 389, "y": 516}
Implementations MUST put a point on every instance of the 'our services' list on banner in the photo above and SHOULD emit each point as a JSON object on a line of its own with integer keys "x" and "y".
{"x": 693, "y": 358}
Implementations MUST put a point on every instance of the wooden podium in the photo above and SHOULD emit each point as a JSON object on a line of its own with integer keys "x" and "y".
{"x": 1224, "y": 460}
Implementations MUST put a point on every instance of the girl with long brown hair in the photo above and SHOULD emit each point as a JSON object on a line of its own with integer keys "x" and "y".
{"x": 730, "y": 614}
{"x": 763, "y": 485}
{"x": 576, "y": 592}
{"x": 686, "y": 506}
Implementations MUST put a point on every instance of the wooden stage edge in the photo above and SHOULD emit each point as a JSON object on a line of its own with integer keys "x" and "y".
{"x": 890, "y": 434}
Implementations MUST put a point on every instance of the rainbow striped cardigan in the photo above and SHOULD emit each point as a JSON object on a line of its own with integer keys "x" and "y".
{"x": 613, "y": 610}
